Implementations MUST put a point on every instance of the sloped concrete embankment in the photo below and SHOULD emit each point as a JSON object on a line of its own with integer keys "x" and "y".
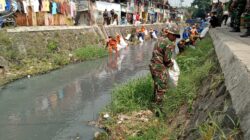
{"x": 234, "y": 59}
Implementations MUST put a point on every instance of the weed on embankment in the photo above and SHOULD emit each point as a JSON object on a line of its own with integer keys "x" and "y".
{"x": 137, "y": 95}
{"x": 43, "y": 55}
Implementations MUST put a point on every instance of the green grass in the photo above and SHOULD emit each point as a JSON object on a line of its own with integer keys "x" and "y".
{"x": 195, "y": 64}
{"x": 90, "y": 52}
{"x": 212, "y": 128}
{"x": 133, "y": 96}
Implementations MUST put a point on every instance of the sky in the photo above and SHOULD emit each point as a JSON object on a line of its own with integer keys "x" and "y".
{"x": 177, "y": 2}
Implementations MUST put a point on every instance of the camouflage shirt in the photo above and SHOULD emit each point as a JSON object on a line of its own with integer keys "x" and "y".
{"x": 162, "y": 54}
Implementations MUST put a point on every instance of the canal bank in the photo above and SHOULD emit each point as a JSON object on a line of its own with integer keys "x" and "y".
{"x": 200, "y": 107}
{"x": 59, "y": 105}
{"x": 37, "y": 50}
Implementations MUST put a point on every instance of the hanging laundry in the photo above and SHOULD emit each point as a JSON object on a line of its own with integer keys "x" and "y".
{"x": 36, "y": 5}
{"x": 40, "y": 5}
{"x": 25, "y": 7}
{"x": 54, "y": 8}
{"x": 45, "y": 6}
{"x": 64, "y": 7}
{"x": 50, "y": 7}
{"x": 2, "y": 5}
{"x": 19, "y": 6}
{"x": 68, "y": 10}
{"x": 30, "y": 2}
{"x": 58, "y": 10}
{"x": 8, "y": 5}
{"x": 72, "y": 8}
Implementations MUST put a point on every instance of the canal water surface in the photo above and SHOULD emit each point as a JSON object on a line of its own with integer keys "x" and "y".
{"x": 58, "y": 105}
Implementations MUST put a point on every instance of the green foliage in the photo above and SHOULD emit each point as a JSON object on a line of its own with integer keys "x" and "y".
{"x": 212, "y": 128}
{"x": 60, "y": 59}
{"x": 134, "y": 95}
{"x": 195, "y": 64}
{"x": 7, "y": 50}
{"x": 203, "y": 8}
{"x": 155, "y": 132}
{"x": 90, "y": 52}
{"x": 52, "y": 46}
{"x": 4, "y": 40}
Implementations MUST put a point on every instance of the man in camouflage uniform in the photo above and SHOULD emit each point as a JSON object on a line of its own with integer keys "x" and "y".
{"x": 161, "y": 62}
{"x": 247, "y": 19}
{"x": 239, "y": 6}
{"x": 219, "y": 12}
{"x": 232, "y": 13}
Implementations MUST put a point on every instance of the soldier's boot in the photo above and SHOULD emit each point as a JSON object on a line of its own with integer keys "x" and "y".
{"x": 246, "y": 34}
{"x": 237, "y": 29}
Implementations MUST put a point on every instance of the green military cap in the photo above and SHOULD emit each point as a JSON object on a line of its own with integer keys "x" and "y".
{"x": 175, "y": 31}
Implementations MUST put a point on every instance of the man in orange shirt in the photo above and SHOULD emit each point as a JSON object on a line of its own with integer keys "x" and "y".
{"x": 112, "y": 44}
{"x": 194, "y": 35}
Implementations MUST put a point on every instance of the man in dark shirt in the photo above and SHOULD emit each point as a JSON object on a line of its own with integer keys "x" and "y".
{"x": 105, "y": 17}
{"x": 214, "y": 20}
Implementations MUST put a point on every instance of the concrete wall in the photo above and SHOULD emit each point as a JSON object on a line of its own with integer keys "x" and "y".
{"x": 66, "y": 36}
{"x": 234, "y": 58}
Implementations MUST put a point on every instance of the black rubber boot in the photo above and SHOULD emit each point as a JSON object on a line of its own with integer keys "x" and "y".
{"x": 246, "y": 34}
{"x": 235, "y": 30}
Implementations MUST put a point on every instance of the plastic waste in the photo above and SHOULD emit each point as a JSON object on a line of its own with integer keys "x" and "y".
{"x": 154, "y": 35}
{"x": 141, "y": 40}
{"x": 123, "y": 43}
{"x": 128, "y": 37}
{"x": 174, "y": 73}
{"x": 119, "y": 47}
{"x": 177, "y": 50}
{"x": 204, "y": 32}
{"x": 106, "y": 116}
{"x": 146, "y": 32}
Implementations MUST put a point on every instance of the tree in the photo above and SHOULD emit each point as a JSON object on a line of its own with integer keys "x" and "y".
{"x": 202, "y": 7}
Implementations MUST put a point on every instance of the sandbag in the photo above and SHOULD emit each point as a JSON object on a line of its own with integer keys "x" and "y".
{"x": 174, "y": 73}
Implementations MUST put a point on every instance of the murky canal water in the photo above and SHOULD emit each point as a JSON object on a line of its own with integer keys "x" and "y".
{"x": 58, "y": 105}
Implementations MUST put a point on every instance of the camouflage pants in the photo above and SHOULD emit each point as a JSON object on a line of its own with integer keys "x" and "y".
{"x": 233, "y": 16}
{"x": 247, "y": 21}
{"x": 238, "y": 12}
{"x": 160, "y": 77}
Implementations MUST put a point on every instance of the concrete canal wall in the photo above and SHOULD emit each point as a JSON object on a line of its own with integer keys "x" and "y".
{"x": 234, "y": 59}
{"x": 70, "y": 37}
